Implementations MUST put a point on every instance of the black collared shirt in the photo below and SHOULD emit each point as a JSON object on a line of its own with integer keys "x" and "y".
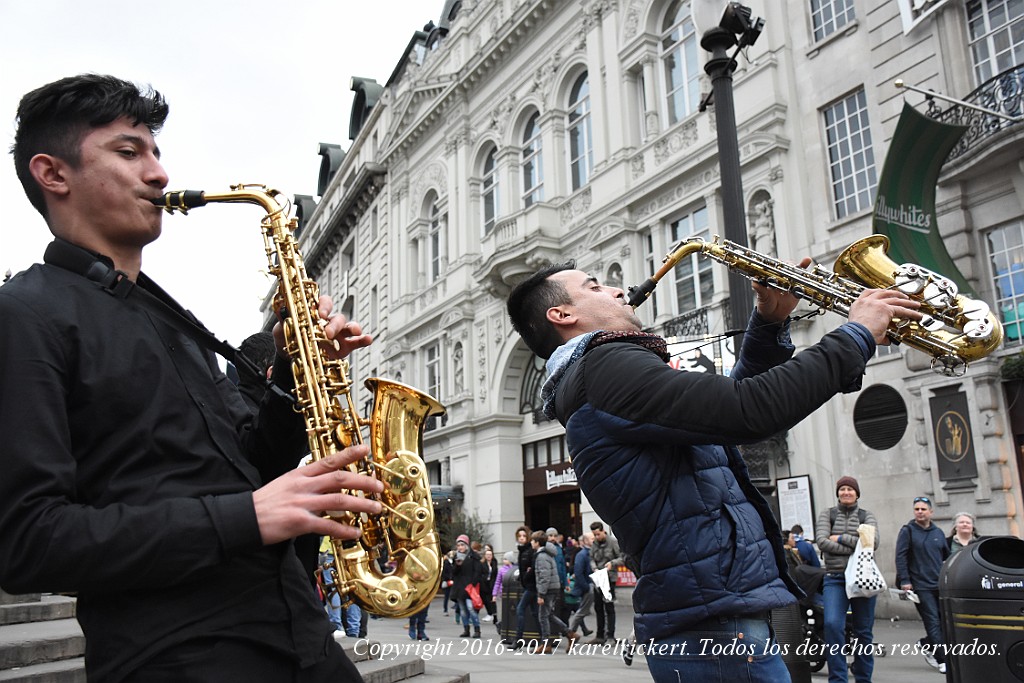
{"x": 127, "y": 466}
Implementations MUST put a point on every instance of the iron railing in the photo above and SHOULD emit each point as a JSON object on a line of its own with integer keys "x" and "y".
{"x": 1003, "y": 93}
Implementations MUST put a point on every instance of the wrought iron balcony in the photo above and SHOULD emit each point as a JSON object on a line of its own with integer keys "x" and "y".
{"x": 693, "y": 324}
{"x": 1003, "y": 93}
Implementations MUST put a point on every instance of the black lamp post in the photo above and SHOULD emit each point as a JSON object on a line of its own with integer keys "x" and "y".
{"x": 724, "y": 25}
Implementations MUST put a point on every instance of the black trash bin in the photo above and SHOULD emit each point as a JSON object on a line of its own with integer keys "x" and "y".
{"x": 790, "y": 634}
{"x": 511, "y": 591}
{"x": 981, "y": 599}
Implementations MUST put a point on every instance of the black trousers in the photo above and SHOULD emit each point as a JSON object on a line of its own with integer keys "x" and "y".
{"x": 604, "y": 610}
{"x": 223, "y": 660}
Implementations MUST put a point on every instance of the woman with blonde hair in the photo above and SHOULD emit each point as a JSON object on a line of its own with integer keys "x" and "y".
{"x": 964, "y": 532}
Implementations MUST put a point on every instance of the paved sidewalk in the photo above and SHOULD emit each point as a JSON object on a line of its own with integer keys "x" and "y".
{"x": 488, "y": 661}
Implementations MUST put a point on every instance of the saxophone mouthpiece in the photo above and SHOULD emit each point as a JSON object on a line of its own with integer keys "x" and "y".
{"x": 180, "y": 200}
{"x": 640, "y": 293}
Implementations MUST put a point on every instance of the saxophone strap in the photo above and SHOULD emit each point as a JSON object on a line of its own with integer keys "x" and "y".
{"x": 146, "y": 293}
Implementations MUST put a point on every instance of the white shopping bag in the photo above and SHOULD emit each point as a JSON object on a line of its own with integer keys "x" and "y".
{"x": 863, "y": 578}
{"x": 600, "y": 579}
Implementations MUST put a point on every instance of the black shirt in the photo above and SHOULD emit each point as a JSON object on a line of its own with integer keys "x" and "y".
{"x": 129, "y": 462}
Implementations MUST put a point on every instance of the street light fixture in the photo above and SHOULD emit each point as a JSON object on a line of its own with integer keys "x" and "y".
{"x": 723, "y": 25}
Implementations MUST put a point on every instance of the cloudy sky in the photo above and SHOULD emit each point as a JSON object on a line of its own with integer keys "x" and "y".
{"x": 253, "y": 86}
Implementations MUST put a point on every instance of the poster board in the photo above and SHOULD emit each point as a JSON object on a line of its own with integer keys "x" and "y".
{"x": 795, "y": 503}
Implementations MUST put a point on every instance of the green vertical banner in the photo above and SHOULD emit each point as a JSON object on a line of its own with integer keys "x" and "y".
{"x": 905, "y": 204}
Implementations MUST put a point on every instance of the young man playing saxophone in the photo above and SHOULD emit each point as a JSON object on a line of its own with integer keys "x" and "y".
{"x": 134, "y": 474}
{"x": 653, "y": 450}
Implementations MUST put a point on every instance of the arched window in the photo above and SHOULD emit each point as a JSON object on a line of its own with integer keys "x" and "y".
{"x": 679, "y": 59}
{"x": 581, "y": 146}
{"x": 490, "y": 191}
{"x": 533, "y": 174}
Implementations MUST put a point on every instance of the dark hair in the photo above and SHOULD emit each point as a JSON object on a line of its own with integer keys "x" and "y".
{"x": 596, "y": 526}
{"x": 528, "y": 305}
{"x": 539, "y": 536}
{"x": 261, "y": 350}
{"x": 797, "y": 529}
{"x": 54, "y": 118}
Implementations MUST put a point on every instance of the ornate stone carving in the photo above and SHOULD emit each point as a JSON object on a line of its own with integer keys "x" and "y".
{"x": 544, "y": 75}
{"x": 436, "y": 176}
{"x": 631, "y": 24}
{"x": 636, "y": 166}
{"x": 458, "y": 370}
{"x": 576, "y": 207}
{"x": 676, "y": 194}
{"x": 502, "y": 112}
{"x": 761, "y": 233}
{"x": 653, "y": 123}
{"x": 681, "y": 138}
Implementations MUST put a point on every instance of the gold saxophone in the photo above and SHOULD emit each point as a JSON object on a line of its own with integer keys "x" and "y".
{"x": 955, "y": 330}
{"x": 404, "y": 531}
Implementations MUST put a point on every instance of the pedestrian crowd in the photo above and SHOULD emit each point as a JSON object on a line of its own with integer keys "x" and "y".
{"x": 921, "y": 548}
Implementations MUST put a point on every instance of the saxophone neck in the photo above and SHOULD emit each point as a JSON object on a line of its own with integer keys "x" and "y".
{"x": 680, "y": 250}
{"x": 183, "y": 200}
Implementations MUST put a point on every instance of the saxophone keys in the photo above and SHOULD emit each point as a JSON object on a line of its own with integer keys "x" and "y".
{"x": 412, "y": 520}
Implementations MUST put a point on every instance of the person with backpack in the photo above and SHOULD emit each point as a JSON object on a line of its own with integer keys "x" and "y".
{"x": 836, "y": 535}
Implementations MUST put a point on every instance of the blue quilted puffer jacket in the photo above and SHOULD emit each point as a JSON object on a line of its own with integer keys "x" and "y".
{"x": 640, "y": 433}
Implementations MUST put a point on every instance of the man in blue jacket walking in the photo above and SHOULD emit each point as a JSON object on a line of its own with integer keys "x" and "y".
{"x": 921, "y": 549}
{"x": 653, "y": 450}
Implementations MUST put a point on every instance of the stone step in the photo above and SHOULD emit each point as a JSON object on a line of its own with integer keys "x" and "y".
{"x": 51, "y": 652}
{"x": 47, "y": 608}
{"x": 390, "y": 671}
{"x": 439, "y": 674}
{"x": 63, "y": 671}
{"x": 23, "y": 645}
{"x": 73, "y": 671}
{"x": 10, "y": 598}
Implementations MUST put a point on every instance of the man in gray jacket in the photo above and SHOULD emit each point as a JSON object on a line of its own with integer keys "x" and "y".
{"x": 604, "y": 553}
{"x": 548, "y": 588}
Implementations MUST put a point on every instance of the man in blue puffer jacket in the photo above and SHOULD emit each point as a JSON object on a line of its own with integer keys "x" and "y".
{"x": 653, "y": 450}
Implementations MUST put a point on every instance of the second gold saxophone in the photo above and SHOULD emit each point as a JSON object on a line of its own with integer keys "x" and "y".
{"x": 955, "y": 331}
{"x": 404, "y": 531}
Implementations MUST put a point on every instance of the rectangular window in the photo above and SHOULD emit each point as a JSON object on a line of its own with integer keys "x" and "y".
{"x": 830, "y": 15}
{"x": 1006, "y": 253}
{"x": 651, "y": 264}
{"x": 641, "y": 103}
{"x": 850, "y": 154}
{"x": 434, "y": 246}
{"x": 681, "y": 68}
{"x": 374, "y": 311}
{"x": 695, "y": 285}
{"x": 433, "y": 368}
{"x": 533, "y": 173}
{"x": 432, "y": 385}
{"x": 545, "y": 452}
{"x": 581, "y": 144}
{"x": 996, "y": 33}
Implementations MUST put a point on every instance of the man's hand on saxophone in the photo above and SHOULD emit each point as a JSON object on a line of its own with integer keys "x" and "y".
{"x": 293, "y": 504}
{"x": 876, "y": 308}
{"x": 347, "y": 335}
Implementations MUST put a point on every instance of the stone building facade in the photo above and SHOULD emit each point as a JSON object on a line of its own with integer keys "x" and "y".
{"x": 515, "y": 133}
